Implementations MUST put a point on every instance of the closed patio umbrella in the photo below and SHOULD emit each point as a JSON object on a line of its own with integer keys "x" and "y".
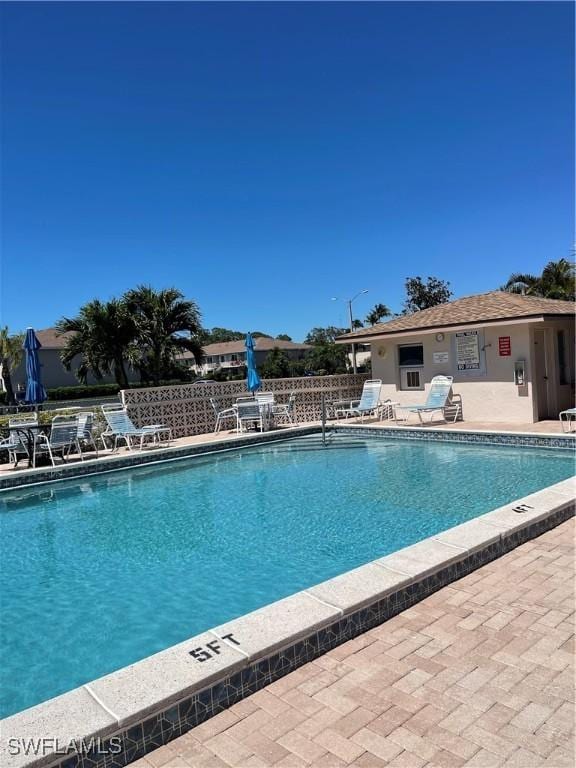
{"x": 35, "y": 392}
{"x": 252, "y": 380}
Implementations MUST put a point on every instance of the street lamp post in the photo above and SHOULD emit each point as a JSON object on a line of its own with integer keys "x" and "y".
{"x": 349, "y": 302}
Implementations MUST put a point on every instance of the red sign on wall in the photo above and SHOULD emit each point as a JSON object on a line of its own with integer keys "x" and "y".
{"x": 504, "y": 346}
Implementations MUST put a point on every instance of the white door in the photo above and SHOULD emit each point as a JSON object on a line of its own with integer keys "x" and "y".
{"x": 541, "y": 375}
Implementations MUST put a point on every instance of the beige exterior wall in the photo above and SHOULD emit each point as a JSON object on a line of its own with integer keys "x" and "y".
{"x": 557, "y": 395}
{"x": 491, "y": 396}
{"x": 55, "y": 375}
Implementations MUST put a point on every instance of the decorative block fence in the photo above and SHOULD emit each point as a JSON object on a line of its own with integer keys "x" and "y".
{"x": 186, "y": 407}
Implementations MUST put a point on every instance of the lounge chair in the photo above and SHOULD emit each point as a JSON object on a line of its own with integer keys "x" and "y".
{"x": 222, "y": 414}
{"x": 285, "y": 410}
{"x": 120, "y": 427}
{"x": 569, "y": 416}
{"x": 368, "y": 405}
{"x": 437, "y": 401}
{"x": 62, "y": 439}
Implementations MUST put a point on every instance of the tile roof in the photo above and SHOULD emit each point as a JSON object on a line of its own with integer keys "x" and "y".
{"x": 50, "y": 340}
{"x": 471, "y": 310}
{"x": 261, "y": 344}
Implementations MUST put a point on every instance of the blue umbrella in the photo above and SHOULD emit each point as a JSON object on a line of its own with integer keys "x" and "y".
{"x": 253, "y": 380}
{"x": 35, "y": 392}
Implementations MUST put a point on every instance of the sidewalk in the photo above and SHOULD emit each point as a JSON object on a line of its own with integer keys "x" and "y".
{"x": 478, "y": 674}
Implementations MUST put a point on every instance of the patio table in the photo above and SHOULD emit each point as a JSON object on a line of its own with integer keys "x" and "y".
{"x": 340, "y": 405}
{"x": 567, "y": 417}
{"x": 266, "y": 412}
{"x": 29, "y": 435}
{"x": 388, "y": 410}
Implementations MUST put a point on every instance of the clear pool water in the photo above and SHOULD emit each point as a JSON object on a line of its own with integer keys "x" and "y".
{"x": 98, "y": 573}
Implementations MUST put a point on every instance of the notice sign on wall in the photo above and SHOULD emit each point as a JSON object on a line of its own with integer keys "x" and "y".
{"x": 467, "y": 351}
{"x": 504, "y": 346}
{"x": 440, "y": 358}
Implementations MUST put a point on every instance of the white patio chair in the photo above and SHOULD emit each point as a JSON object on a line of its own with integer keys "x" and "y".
{"x": 248, "y": 411}
{"x": 62, "y": 439}
{"x": 22, "y": 446}
{"x": 85, "y": 430}
{"x": 285, "y": 410}
{"x": 265, "y": 398}
{"x": 222, "y": 414}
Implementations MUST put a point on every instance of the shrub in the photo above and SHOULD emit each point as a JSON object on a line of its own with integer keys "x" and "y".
{"x": 83, "y": 391}
{"x": 44, "y": 417}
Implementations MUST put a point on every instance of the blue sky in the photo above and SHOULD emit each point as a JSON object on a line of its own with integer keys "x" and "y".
{"x": 264, "y": 157}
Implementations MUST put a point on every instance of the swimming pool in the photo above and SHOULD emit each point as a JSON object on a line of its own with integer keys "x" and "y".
{"x": 98, "y": 573}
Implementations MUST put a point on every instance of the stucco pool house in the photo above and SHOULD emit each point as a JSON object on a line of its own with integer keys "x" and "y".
{"x": 511, "y": 356}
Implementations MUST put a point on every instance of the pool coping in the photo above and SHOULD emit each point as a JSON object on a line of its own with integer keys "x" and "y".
{"x": 146, "y": 704}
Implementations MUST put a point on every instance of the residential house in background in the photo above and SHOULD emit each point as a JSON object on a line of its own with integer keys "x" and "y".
{"x": 511, "y": 356}
{"x": 52, "y": 370}
{"x": 232, "y": 354}
{"x": 227, "y": 355}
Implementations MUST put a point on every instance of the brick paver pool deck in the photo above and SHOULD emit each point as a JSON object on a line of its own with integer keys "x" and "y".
{"x": 478, "y": 674}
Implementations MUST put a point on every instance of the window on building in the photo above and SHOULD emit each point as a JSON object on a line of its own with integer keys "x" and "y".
{"x": 410, "y": 355}
{"x": 412, "y": 379}
{"x": 562, "y": 365}
{"x": 411, "y": 363}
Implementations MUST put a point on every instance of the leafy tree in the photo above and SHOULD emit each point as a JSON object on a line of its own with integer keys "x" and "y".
{"x": 220, "y": 335}
{"x": 376, "y": 314}
{"x": 166, "y": 325}
{"x": 219, "y": 374}
{"x": 324, "y": 335}
{"x": 103, "y": 338}
{"x": 11, "y": 353}
{"x": 276, "y": 366}
{"x": 356, "y": 324}
{"x": 557, "y": 281}
{"x": 284, "y": 337}
{"x": 423, "y": 295}
{"x": 327, "y": 359}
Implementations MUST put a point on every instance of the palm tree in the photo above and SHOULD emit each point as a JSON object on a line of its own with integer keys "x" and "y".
{"x": 557, "y": 281}
{"x": 377, "y": 313}
{"x": 11, "y": 353}
{"x": 102, "y": 340}
{"x": 166, "y": 325}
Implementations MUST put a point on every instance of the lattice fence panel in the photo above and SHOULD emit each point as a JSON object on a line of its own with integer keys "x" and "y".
{"x": 186, "y": 407}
